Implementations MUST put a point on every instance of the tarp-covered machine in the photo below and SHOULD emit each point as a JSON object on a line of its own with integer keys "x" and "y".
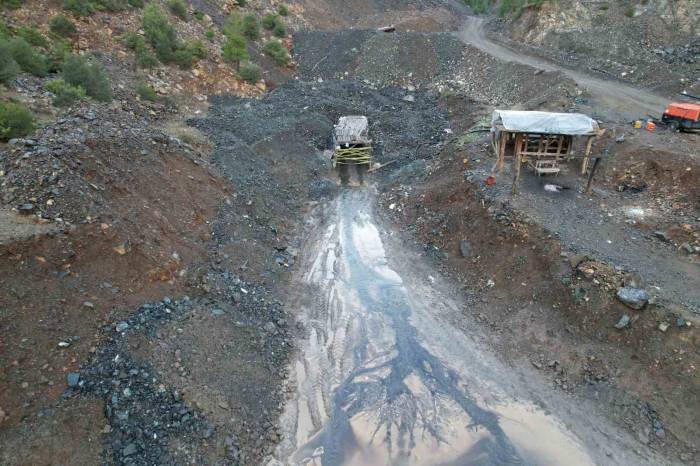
{"x": 352, "y": 146}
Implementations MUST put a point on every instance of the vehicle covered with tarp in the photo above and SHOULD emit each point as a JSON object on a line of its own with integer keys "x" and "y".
{"x": 352, "y": 147}
{"x": 351, "y": 142}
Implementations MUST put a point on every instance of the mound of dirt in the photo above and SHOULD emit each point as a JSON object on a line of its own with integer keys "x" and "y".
{"x": 435, "y": 60}
{"x": 412, "y": 15}
{"x": 120, "y": 213}
{"x": 297, "y": 119}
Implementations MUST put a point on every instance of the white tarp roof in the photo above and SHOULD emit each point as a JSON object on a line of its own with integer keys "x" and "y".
{"x": 575, "y": 124}
{"x": 352, "y": 129}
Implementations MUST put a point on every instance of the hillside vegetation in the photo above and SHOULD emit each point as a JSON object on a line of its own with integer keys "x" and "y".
{"x": 94, "y": 50}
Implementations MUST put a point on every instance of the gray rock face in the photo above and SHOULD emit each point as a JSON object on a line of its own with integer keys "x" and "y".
{"x": 27, "y": 208}
{"x": 270, "y": 327}
{"x": 130, "y": 449}
{"x": 635, "y": 298}
{"x": 73, "y": 378}
{"x": 464, "y": 248}
{"x": 623, "y": 322}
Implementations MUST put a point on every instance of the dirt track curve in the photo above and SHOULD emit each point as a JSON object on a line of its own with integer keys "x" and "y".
{"x": 616, "y": 96}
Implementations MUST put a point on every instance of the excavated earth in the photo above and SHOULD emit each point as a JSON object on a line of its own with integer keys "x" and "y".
{"x": 227, "y": 302}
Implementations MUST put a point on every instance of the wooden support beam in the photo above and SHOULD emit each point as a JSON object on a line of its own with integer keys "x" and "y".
{"x": 516, "y": 171}
{"x": 590, "y": 175}
{"x": 587, "y": 155}
{"x": 502, "y": 151}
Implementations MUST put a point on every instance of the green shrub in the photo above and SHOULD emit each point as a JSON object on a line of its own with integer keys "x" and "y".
{"x": 198, "y": 49}
{"x": 60, "y": 49}
{"x": 199, "y": 15}
{"x": 88, "y": 73}
{"x": 131, "y": 40}
{"x": 163, "y": 38}
{"x": 277, "y": 52}
{"x": 504, "y": 8}
{"x": 233, "y": 25}
{"x": 5, "y": 32}
{"x": 478, "y": 6}
{"x": 28, "y": 59}
{"x": 184, "y": 58}
{"x": 9, "y": 69}
{"x": 210, "y": 35}
{"x": 275, "y": 24}
{"x": 269, "y": 21}
{"x": 11, "y": 4}
{"x": 15, "y": 121}
{"x": 282, "y": 10}
{"x": 251, "y": 27}
{"x": 65, "y": 94}
{"x": 242, "y": 3}
{"x": 146, "y": 92}
{"x": 179, "y": 9}
{"x": 235, "y": 49}
{"x": 280, "y": 30}
{"x": 62, "y": 26}
{"x": 79, "y": 7}
{"x": 629, "y": 12}
{"x": 250, "y": 72}
{"x": 144, "y": 57}
{"x": 110, "y": 5}
{"x": 136, "y": 3}
{"x": 32, "y": 36}
{"x": 160, "y": 33}
{"x": 188, "y": 53}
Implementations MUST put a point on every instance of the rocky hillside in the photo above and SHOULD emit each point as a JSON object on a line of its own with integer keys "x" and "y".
{"x": 106, "y": 196}
{"x": 162, "y": 54}
{"x": 624, "y": 39}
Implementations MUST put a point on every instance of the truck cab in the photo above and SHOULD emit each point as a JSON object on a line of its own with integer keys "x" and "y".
{"x": 682, "y": 115}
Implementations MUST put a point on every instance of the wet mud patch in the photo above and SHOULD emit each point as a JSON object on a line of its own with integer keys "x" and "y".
{"x": 380, "y": 379}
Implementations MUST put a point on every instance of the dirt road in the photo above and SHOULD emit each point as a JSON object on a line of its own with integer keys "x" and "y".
{"x": 383, "y": 380}
{"x": 622, "y": 99}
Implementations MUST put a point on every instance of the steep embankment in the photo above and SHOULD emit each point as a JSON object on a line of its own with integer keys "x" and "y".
{"x": 651, "y": 44}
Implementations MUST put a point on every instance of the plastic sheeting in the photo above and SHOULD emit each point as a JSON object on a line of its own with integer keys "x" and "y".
{"x": 574, "y": 124}
{"x": 352, "y": 130}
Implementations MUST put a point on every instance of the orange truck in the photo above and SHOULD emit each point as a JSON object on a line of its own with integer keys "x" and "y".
{"x": 682, "y": 115}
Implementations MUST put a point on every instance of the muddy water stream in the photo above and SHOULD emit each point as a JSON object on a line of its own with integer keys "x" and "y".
{"x": 380, "y": 380}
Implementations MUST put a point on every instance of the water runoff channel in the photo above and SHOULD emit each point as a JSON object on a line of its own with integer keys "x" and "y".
{"x": 381, "y": 380}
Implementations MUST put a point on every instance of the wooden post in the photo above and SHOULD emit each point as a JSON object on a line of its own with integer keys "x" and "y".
{"x": 516, "y": 176}
{"x": 502, "y": 151}
{"x": 587, "y": 155}
{"x": 590, "y": 175}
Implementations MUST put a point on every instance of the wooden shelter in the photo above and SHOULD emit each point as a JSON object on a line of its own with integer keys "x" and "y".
{"x": 542, "y": 140}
